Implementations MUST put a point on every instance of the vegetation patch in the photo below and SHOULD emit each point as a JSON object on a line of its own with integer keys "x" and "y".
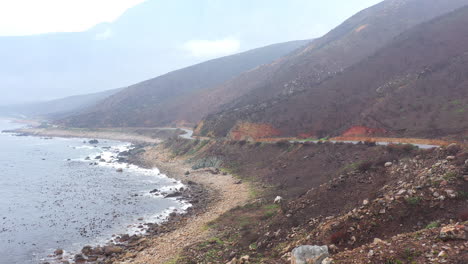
{"x": 415, "y": 200}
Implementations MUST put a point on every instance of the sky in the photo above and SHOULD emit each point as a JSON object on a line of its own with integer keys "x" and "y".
{"x": 29, "y": 17}
{"x": 32, "y": 17}
{"x": 117, "y": 43}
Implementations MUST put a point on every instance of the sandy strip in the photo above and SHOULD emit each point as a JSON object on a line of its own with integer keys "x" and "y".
{"x": 120, "y": 136}
{"x": 167, "y": 247}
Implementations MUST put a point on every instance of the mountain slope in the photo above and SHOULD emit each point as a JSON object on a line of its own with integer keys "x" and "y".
{"x": 161, "y": 101}
{"x": 148, "y": 40}
{"x": 414, "y": 86}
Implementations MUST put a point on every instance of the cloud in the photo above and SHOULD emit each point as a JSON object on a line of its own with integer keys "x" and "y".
{"x": 103, "y": 35}
{"x": 26, "y": 17}
{"x": 212, "y": 48}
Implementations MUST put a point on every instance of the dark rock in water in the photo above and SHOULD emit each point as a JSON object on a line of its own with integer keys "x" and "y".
{"x": 98, "y": 251}
{"x": 87, "y": 158}
{"x": 174, "y": 194}
{"x": 92, "y": 258}
{"x": 98, "y": 157}
{"x": 124, "y": 238}
{"x": 93, "y": 141}
{"x": 58, "y": 252}
{"x": 154, "y": 191}
{"x": 87, "y": 250}
{"x": 102, "y": 160}
{"x": 119, "y": 170}
{"x": 79, "y": 258}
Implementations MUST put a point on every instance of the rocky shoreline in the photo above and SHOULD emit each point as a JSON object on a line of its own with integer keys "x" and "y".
{"x": 197, "y": 195}
{"x": 210, "y": 193}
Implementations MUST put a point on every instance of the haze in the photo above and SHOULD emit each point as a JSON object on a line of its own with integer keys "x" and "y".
{"x": 113, "y": 44}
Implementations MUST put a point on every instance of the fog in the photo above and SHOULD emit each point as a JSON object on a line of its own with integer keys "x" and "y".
{"x": 152, "y": 38}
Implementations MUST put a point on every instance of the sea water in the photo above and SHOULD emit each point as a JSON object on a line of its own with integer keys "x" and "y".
{"x": 53, "y": 195}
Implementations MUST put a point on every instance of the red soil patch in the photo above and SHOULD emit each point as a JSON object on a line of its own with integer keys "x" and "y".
{"x": 306, "y": 135}
{"x": 363, "y": 131}
{"x": 248, "y": 131}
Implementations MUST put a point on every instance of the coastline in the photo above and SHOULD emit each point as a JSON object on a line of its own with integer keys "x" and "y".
{"x": 210, "y": 195}
{"x": 224, "y": 193}
{"x": 110, "y": 135}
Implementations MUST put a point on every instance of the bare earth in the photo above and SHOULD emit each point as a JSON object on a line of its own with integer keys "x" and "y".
{"x": 168, "y": 246}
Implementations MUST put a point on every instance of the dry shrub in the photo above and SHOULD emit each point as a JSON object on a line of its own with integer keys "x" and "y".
{"x": 463, "y": 215}
{"x": 364, "y": 166}
{"x": 282, "y": 143}
{"x": 338, "y": 237}
{"x": 400, "y": 148}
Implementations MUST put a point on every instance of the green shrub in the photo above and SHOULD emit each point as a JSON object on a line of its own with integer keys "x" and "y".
{"x": 433, "y": 225}
{"x": 413, "y": 200}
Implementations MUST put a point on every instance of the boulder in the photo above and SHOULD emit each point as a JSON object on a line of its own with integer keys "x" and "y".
{"x": 58, "y": 252}
{"x": 278, "y": 200}
{"x": 119, "y": 170}
{"x": 450, "y": 158}
{"x": 93, "y": 141}
{"x": 174, "y": 194}
{"x": 309, "y": 254}
{"x": 453, "y": 149}
{"x": 388, "y": 164}
{"x": 79, "y": 258}
{"x": 454, "y": 232}
{"x": 87, "y": 250}
{"x": 109, "y": 250}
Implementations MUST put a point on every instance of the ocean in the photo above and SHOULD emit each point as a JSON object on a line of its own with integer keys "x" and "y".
{"x": 52, "y": 195}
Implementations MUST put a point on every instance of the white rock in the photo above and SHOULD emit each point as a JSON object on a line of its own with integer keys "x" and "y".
{"x": 309, "y": 254}
{"x": 278, "y": 199}
{"x": 388, "y": 164}
{"x": 401, "y": 192}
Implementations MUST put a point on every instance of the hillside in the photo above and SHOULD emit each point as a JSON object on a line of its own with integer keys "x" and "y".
{"x": 58, "y": 108}
{"x": 150, "y": 39}
{"x": 363, "y": 73}
{"x": 366, "y": 203}
{"x": 163, "y": 100}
